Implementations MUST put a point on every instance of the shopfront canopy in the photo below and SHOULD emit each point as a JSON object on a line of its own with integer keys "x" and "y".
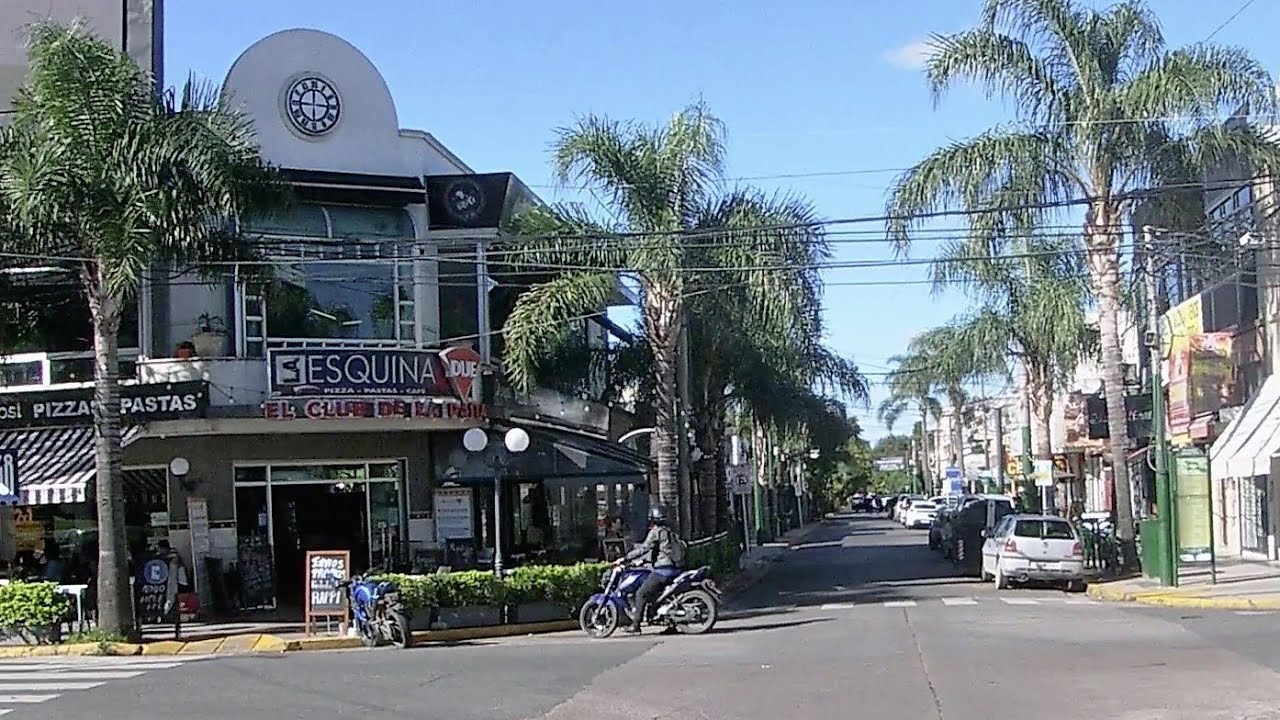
{"x": 559, "y": 458}
{"x": 1245, "y": 447}
{"x": 54, "y": 464}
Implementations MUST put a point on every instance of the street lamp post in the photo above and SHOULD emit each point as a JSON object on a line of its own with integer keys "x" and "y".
{"x": 516, "y": 441}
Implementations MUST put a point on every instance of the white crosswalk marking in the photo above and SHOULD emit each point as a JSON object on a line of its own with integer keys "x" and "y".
{"x": 899, "y": 603}
{"x": 30, "y": 681}
{"x": 1019, "y": 601}
{"x": 959, "y": 601}
{"x": 838, "y": 606}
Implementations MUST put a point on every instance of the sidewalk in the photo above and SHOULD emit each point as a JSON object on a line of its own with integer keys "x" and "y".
{"x": 756, "y": 563}
{"x": 1240, "y": 586}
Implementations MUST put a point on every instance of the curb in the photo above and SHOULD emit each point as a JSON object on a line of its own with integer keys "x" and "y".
{"x": 263, "y": 643}
{"x": 1174, "y": 599}
{"x": 744, "y": 579}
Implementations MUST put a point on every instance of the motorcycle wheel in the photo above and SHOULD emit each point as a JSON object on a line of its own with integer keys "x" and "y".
{"x": 705, "y": 607}
{"x": 598, "y": 620}
{"x": 398, "y": 629}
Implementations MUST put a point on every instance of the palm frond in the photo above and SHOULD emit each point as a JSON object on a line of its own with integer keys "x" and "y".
{"x": 541, "y": 317}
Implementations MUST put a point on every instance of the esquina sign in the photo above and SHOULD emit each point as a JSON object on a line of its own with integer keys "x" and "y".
{"x": 451, "y": 373}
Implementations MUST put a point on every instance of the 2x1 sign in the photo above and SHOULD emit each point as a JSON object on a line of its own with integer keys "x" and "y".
{"x": 371, "y": 372}
{"x": 138, "y": 403}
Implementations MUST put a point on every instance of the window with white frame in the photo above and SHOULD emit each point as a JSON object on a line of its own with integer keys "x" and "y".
{"x": 46, "y": 333}
{"x": 340, "y": 273}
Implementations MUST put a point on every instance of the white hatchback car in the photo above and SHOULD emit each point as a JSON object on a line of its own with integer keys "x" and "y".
{"x": 920, "y": 514}
{"x": 1033, "y": 547}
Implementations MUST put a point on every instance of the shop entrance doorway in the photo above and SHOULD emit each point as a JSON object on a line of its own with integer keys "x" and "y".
{"x": 283, "y": 511}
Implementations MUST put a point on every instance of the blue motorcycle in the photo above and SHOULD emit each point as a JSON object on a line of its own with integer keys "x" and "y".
{"x": 377, "y": 613}
{"x": 690, "y": 603}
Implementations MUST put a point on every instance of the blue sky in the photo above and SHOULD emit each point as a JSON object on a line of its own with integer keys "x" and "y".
{"x": 830, "y": 89}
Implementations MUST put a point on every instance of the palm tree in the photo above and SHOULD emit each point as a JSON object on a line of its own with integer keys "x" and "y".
{"x": 911, "y": 386}
{"x": 1032, "y": 309}
{"x": 1105, "y": 110}
{"x": 99, "y": 170}
{"x": 954, "y": 361}
{"x": 692, "y": 252}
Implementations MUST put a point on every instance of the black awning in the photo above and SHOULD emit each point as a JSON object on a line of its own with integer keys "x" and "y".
{"x": 552, "y": 455}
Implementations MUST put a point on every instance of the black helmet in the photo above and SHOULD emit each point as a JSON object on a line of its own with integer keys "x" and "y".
{"x": 658, "y": 515}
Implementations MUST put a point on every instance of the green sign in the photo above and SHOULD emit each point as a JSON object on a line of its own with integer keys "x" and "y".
{"x": 1195, "y": 534}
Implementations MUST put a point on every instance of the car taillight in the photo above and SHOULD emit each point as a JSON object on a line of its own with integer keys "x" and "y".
{"x": 1077, "y": 550}
{"x": 1010, "y": 546}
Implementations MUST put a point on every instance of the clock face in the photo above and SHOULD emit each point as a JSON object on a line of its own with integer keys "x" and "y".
{"x": 313, "y": 105}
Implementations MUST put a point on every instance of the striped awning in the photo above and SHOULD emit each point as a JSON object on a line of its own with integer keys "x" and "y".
{"x": 54, "y": 464}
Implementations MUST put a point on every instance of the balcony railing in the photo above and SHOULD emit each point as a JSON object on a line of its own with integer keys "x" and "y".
{"x": 43, "y": 370}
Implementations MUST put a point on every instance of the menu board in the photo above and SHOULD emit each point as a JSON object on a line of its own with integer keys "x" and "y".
{"x": 453, "y": 514}
{"x": 257, "y": 586}
{"x": 152, "y": 588}
{"x": 325, "y": 571}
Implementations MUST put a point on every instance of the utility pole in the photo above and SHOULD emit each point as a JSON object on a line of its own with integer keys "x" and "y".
{"x": 999, "y": 463}
{"x": 1168, "y": 562}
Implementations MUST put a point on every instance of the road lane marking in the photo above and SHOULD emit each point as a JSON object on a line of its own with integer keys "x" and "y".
{"x": 1079, "y": 602}
{"x": 47, "y": 686}
{"x": 959, "y": 601}
{"x": 25, "y": 699}
{"x": 899, "y": 603}
{"x": 69, "y": 674}
{"x": 1019, "y": 601}
{"x": 838, "y": 606}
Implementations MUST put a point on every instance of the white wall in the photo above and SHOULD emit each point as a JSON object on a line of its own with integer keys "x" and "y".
{"x": 367, "y": 138}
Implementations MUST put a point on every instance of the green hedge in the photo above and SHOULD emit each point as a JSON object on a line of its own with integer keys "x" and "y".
{"x": 33, "y": 611}
{"x": 720, "y": 553}
{"x": 568, "y": 585}
{"x": 562, "y": 584}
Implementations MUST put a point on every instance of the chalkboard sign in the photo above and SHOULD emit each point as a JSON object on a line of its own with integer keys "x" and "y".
{"x": 152, "y": 588}
{"x": 325, "y": 571}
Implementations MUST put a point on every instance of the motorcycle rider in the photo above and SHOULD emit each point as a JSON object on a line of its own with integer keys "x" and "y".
{"x": 665, "y": 551}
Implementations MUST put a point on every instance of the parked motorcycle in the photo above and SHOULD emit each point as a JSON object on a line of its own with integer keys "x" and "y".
{"x": 690, "y": 603}
{"x": 377, "y": 612}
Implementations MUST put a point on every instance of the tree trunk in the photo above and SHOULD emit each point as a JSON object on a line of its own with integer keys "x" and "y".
{"x": 1105, "y": 274}
{"x": 662, "y": 316}
{"x": 115, "y": 609}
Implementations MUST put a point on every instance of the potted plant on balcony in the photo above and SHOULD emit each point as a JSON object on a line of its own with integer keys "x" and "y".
{"x": 186, "y": 350}
{"x": 211, "y": 340}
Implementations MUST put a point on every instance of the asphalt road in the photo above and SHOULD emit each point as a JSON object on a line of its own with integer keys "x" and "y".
{"x": 861, "y": 621}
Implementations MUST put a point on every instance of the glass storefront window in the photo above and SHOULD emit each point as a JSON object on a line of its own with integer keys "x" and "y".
{"x": 459, "y": 312}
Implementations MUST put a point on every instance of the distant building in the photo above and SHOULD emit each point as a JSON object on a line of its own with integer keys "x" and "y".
{"x": 135, "y": 26}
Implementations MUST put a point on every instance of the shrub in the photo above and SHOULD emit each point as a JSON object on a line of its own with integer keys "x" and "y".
{"x": 566, "y": 585}
{"x": 33, "y": 611}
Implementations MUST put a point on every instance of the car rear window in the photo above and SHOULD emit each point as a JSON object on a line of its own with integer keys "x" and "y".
{"x": 1044, "y": 529}
{"x": 924, "y": 505}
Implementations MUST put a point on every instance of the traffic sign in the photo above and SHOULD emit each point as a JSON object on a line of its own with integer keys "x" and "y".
{"x": 739, "y": 480}
{"x": 1044, "y": 473}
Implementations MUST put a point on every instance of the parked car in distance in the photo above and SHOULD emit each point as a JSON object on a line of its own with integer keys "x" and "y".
{"x": 861, "y": 504}
{"x": 904, "y": 505}
{"x": 919, "y": 515}
{"x": 1024, "y": 548}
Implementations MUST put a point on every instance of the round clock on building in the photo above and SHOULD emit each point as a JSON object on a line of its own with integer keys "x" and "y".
{"x": 312, "y": 105}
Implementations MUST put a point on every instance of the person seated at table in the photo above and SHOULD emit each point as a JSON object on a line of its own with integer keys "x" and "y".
{"x": 52, "y": 565}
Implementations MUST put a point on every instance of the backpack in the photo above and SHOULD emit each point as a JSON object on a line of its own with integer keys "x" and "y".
{"x": 678, "y": 548}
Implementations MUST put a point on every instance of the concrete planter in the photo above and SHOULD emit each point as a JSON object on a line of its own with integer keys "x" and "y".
{"x": 469, "y": 616}
{"x": 538, "y": 612}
